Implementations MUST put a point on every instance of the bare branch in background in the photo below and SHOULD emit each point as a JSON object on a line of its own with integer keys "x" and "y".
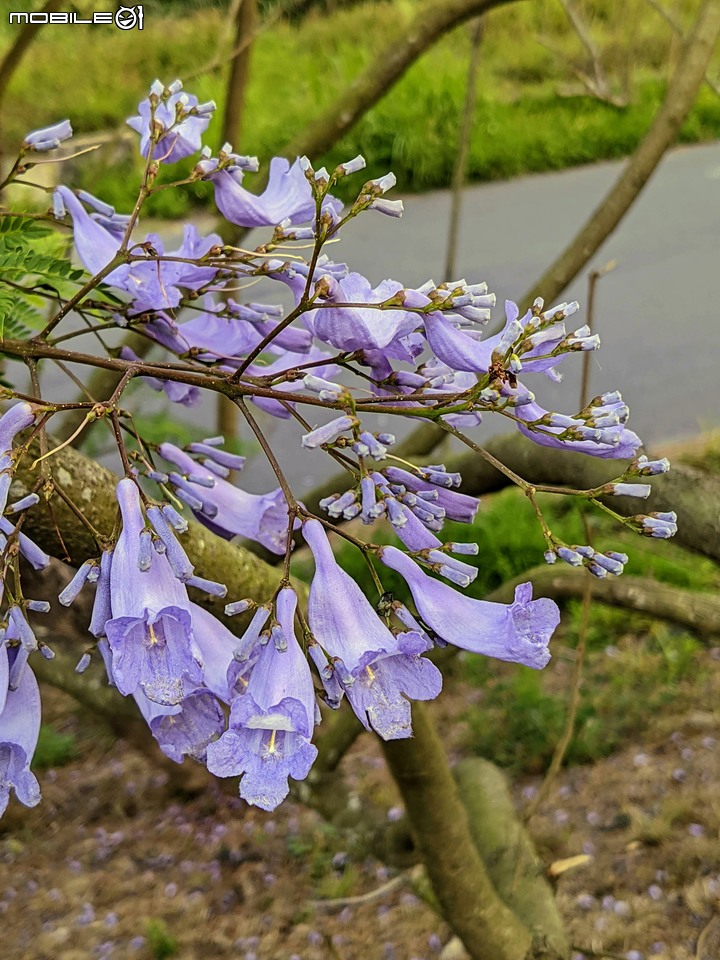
{"x": 595, "y": 79}
{"x": 679, "y": 99}
{"x": 677, "y": 29}
{"x": 461, "y": 160}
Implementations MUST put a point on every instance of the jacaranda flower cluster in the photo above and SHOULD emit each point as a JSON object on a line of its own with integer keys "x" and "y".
{"x": 246, "y": 702}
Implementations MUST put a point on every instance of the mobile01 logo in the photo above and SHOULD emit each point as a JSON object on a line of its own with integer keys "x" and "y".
{"x": 124, "y": 18}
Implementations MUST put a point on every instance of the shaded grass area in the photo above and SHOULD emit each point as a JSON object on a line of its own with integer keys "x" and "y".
{"x": 532, "y": 114}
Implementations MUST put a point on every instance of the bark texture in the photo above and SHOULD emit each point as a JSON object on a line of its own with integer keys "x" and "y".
{"x": 487, "y": 927}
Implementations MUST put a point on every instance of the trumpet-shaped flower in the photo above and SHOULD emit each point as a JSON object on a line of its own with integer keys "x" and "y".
{"x": 17, "y": 418}
{"x": 19, "y": 729}
{"x": 519, "y": 631}
{"x": 184, "y": 729}
{"x": 374, "y": 668}
{"x": 288, "y": 196}
{"x": 150, "y": 633}
{"x": 154, "y": 285}
{"x": 358, "y": 328}
{"x": 260, "y": 517}
{"x": 182, "y": 120}
{"x": 271, "y": 724}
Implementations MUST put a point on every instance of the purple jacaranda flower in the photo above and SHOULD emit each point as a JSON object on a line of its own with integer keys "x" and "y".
{"x": 518, "y": 632}
{"x": 176, "y": 392}
{"x": 615, "y": 442}
{"x": 16, "y": 418}
{"x": 19, "y": 727}
{"x": 150, "y": 633}
{"x": 209, "y": 334}
{"x": 259, "y": 517}
{"x": 216, "y": 336}
{"x": 179, "y": 115}
{"x": 271, "y": 724}
{"x": 460, "y": 351}
{"x": 286, "y": 361}
{"x": 48, "y": 138}
{"x": 157, "y": 284}
{"x": 288, "y": 196}
{"x": 152, "y": 285}
{"x": 223, "y": 674}
{"x": 376, "y": 669}
{"x": 185, "y": 728}
{"x": 355, "y": 328}
{"x": 95, "y": 244}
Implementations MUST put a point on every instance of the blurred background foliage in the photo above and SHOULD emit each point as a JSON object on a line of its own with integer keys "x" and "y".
{"x": 532, "y": 114}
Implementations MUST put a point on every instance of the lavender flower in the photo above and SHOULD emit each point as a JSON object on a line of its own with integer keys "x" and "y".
{"x": 519, "y": 632}
{"x": 271, "y": 724}
{"x": 179, "y": 115}
{"x": 186, "y": 728}
{"x": 376, "y": 669}
{"x": 259, "y": 517}
{"x": 181, "y": 393}
{"x": 19, "y": 727}
{"x": 16, "y": 418}
{"x": 354, "y": 328}
{"x": 48, "y": 138}
{"x": 150, "y": 633}
{"x": 288, "y": 195}
{"x": 613, "y": 442}
{"x": 154, "y": 285}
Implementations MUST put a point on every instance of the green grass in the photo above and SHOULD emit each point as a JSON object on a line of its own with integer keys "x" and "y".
{"x": 161, "y": 942}
{"x": 523, "y": 121}
{"x": 521, "y": 718}
{"x": 54, "y": 749}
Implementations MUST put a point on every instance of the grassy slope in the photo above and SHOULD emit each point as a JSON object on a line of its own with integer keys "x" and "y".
{"x": 522, "y": 123}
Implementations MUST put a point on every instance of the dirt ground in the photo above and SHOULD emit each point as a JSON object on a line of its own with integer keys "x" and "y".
{"x": 111, "y": 865}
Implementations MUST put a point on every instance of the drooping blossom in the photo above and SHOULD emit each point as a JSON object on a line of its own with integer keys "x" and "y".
{"x": 19, "y": 727}
{"x": 259, "y": 517}
{"x": 151, "y": 285}
{"x": 18, "y": 417}
{"x": 287, "y": 196}
{"x": 614, "y": 442}
{"x": 182, "y": 393}
{"x": 358, "y": 328}
{"x": 519, "y": 631}
{"x": 271, "y": 723}
{"x": 375, "y": 668}
{"x": 150, "y": 633}
{"x": 186, "y": 728}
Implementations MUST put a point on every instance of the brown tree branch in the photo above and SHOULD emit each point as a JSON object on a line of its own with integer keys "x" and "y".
{"x": 677, "y": 29}
{"x": 487, "y": 927}
{"x": 430, "y": 23}
{"x": 679, "y": 99}
{"x": 680, "y": 96}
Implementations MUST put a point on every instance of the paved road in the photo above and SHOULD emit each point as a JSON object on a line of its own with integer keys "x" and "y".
{"x": 657, "y": 312}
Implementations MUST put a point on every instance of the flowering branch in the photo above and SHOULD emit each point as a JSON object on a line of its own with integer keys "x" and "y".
{"x": 418, "y": 353}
